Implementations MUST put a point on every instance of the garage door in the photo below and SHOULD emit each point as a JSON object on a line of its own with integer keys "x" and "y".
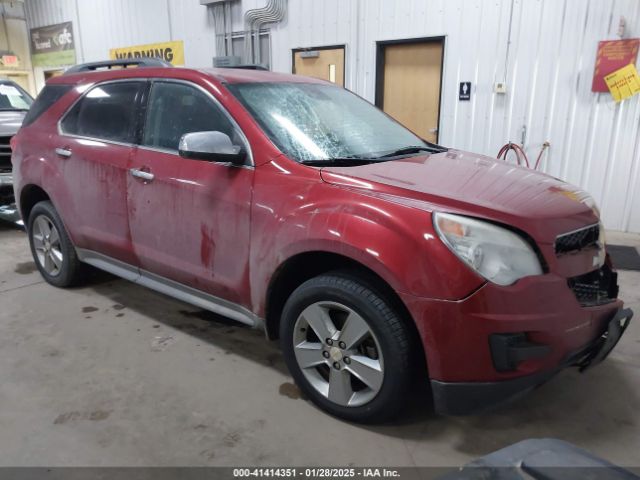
{"x": 408, "y": 85}
{"x": 326, "y": 63}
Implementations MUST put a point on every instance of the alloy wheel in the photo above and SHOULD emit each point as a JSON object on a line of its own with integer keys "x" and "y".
{"x": 338, "y": 353}
{"x": 46, "y": 242}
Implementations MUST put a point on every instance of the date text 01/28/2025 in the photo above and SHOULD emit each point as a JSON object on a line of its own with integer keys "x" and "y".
{"x": 315, "y": 472}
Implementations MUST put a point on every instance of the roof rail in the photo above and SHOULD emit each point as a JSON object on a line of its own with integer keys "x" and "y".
{"x": 124, "y": 63}
{"x": 247, "y": 66}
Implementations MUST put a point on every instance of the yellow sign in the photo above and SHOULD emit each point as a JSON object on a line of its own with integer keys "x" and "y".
{"x": 172, "y": 52}
{"x": 623, "y": 83}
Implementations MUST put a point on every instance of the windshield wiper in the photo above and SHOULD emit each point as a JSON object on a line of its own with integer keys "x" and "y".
{"x": 339, "y": 161}
{"x": 432, "y": 148}
{"x": 14, "y": 109}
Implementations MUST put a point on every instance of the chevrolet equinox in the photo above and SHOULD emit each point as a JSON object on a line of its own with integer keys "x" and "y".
{"x": 290, "y": 204}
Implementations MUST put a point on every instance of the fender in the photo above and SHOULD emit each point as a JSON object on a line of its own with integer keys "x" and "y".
{"x": 393, "y": 240}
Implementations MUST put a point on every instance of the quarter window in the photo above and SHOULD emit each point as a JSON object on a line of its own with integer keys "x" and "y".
{"x": 175, "y": 109}
{"x": 48, "y": 96}
{"x": 106, "y": 112}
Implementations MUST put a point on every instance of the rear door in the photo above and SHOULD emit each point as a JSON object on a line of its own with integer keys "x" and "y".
{"x": 95, "y": 148}
{"x": 190, "y": 218}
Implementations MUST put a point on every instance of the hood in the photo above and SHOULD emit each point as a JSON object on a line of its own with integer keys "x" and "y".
{"x": 475, "y": 185}
{"x": 10, "y": 122}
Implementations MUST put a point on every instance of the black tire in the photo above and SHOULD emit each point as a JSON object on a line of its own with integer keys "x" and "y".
{"x": 390, "y": 330}
{"x": 71, "y": 271}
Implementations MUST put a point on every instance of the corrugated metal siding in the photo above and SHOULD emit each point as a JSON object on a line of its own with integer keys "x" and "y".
{"x": 595, "y": 143}
{"x": 106, "y": 24}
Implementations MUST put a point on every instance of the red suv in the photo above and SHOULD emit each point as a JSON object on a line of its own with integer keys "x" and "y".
{"x": 290, "y": 204}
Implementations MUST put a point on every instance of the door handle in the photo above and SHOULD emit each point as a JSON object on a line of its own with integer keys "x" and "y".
{"x": 63, "y": 152}
{"x": 146, "y": 176}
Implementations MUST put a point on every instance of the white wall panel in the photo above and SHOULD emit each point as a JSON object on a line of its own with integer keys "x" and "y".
{"x": 106, "y": 24}
{"x": 595, "y": 143}
{"x": 193, "y": 24}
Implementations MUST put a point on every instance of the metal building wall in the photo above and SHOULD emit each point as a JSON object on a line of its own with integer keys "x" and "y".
{"x": 595, "y": 143}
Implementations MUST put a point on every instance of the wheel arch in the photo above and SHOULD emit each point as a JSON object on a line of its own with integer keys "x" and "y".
{"x": 30, "y": 195}
{"x": 304, "y": 266}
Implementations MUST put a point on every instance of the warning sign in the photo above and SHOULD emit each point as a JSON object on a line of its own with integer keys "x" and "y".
{"x": 623, "y": 83}
{"x": 613, "y": 55}
{"x": 172, "y": 52}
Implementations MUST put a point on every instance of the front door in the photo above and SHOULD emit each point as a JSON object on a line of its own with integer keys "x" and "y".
{"x": 190, "y": 219}
{"x": 408, "y": 85}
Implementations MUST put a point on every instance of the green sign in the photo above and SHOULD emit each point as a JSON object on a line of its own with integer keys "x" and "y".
{"x": 53, "y": 45}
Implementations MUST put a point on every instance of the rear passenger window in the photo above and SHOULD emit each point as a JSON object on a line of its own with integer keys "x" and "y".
{"x": 49, "y": 95}
{"x": 106, "y": 112}
{"x": 175, "y": 109}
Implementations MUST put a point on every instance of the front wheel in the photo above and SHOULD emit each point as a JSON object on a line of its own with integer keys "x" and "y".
{"x": 346, "y": 347}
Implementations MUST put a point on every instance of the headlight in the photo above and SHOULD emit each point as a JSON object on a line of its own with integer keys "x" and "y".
{"x": 498, "y": 254}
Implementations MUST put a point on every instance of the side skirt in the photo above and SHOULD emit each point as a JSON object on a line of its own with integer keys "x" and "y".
{"x": 171, "y": 288}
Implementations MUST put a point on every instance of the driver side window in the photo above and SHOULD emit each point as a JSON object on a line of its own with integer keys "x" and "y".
{"x": 175, "y": 109}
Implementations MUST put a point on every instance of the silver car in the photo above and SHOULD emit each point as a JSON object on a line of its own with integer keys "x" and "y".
{"x": 14, "y": 105}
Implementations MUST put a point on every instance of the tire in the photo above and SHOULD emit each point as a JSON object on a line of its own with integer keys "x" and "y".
{"x": 347, "y": 299}
{"x": 54, "y": 256}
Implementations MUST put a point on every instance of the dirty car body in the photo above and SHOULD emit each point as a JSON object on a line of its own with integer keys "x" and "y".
{"x": 14, "y": 104}
{"x": 492, "y": 276}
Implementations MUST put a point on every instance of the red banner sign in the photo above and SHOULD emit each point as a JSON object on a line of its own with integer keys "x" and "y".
{"x": 613, "y": 55}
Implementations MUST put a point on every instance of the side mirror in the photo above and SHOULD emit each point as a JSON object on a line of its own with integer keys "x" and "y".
{"x": 212, "y": 146}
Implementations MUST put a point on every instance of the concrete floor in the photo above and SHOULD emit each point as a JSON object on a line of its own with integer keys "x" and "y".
{"x": 113, "y": 374}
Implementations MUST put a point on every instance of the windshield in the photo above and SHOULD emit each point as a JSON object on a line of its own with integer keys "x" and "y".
{"x": 319, "y": 123}
{"x": 12, "y": 97}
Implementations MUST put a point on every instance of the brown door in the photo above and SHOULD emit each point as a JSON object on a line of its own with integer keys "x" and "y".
{"x": 409, "y": 89}
{"x": 324, "y": 63}
{"x": 52, "y": 73}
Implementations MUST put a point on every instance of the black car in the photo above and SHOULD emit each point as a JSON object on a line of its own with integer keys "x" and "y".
{"x": 14, "y": 105}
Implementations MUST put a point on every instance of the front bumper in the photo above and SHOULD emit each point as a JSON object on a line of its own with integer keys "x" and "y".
{"x": 542, "y": 313}
{"x": 8, "y": 210}
{"x": 464, "y": 398}
{"x": 10, "y": 213}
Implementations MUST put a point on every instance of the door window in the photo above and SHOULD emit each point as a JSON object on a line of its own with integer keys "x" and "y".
{"x": 106, "y": 112}
{"x": 175, "y": 109}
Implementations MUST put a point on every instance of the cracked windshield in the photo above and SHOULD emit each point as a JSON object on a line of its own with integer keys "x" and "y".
{"x": 320, "y": 123}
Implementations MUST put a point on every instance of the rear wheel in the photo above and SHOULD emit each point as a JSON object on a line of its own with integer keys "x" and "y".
{"x": 51, "y": 247}
{"x": 347, "y": 349}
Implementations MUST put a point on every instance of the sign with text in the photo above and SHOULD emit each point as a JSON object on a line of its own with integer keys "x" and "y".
{"x": 623, "y": 83}
{"x": 172, "y": 52}
{"x": 53, "y": 45}
{"x": 10, "y": 61}
{"x": 613, "y": 55}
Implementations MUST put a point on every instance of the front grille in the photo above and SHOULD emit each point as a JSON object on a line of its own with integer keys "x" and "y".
{"x": 6, "y": 195}
{"x": 578, "y": 239}
{"x": 5, "y": 154}
{"x": 595, "y": 288}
